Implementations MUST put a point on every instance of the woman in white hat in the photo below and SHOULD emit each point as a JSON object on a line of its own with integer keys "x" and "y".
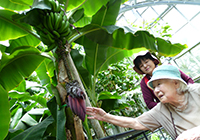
{"x": 145, "y": 63}
{"x": 177, "y": 111}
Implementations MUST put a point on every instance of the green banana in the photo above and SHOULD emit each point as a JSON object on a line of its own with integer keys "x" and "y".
{"x": 57, "y": 7}
{"x": 58, "y": 21}
{"x": 56, "y": 33}
{"x": 49, "y": 24}
{"x": 61, "y": 27}
{"x": 53, "y": 5}
{"x": 65, "y": 17}
{"x": 51, "y": 47}
{"x": 52, "y": 19}
{"x": 66, "y": 33}
{"x": 50, "y": 39}
{"x": 65, "y": 28}
{"x": 62, "y": 13}
{"x": 55, "y": 19}
{"x": 45, "y": 22}
{"x": 44, "y": 38}
{"x": 45, "y": 30}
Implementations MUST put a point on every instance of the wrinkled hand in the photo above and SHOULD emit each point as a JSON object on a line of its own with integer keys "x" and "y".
{"x": 96, "y": 113}
{"x": 190, "y": 134}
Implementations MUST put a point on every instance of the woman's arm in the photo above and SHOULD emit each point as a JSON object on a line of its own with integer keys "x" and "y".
{"x": 186, "y": 78}
{"x": 148, "y": 95}
{"x": 100, "y": 114}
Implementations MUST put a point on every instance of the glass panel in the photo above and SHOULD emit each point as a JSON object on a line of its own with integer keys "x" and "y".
{"x": 188, "y": 65}
{"x": 195, "y": 22}
{"x": 130, "y": 16}
{"x": 149, "y": 14}
{"x": 175, "y": 20}
{"x": 141, "y": 10}
{"x": 160, "y": 8}
{"x": 139, "y": 22}
{"x": 122, "y": 21}
{"x": 187, "y": 35}
{"x": 188, "y": 10}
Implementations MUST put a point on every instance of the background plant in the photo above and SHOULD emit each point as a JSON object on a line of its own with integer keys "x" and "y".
{"x": 39, "y": 112}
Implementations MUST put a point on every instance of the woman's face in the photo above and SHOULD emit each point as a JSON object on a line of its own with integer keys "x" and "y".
{"x": 147, "y": 66}
{"x": 166, "y": 90}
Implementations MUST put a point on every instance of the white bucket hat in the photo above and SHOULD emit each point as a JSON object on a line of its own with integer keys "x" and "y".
{"x": 165, "y": 72}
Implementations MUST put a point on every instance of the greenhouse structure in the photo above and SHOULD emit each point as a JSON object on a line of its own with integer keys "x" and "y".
{"x": 59, "y": 57}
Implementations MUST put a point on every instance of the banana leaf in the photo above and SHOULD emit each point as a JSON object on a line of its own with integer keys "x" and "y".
{"x": 35, "y": 132}
{"x": 8, "y": 4}
{"x": 10, "y": 28}
{"x": 21, "y": 63}
{"x": 4, "y": 113}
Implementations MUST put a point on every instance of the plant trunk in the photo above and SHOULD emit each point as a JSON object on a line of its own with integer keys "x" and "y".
{"x": 68, "y": 72}
{"x": 96, "y": 126}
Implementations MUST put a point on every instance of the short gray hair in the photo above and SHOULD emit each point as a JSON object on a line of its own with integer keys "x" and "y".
{"x": 182, "y": 88}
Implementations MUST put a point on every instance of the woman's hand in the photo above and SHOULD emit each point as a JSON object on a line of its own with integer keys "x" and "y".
{"x": 190, "y": 134}
{"x": 96, "y": 113}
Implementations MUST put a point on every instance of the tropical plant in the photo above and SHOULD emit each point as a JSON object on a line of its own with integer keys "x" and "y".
{"x": 41, "y": 36}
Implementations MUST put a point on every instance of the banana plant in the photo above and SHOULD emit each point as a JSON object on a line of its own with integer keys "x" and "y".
{"x": 41, "y": 35}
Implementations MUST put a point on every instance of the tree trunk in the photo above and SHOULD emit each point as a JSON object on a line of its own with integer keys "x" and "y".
{"x": 96, "y": 126}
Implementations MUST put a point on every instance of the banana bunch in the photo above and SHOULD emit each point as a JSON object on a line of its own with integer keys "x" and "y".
{"x": 76, "y": 99}
{"x": 55, "y": 6}
{"x": 55, "y": 26}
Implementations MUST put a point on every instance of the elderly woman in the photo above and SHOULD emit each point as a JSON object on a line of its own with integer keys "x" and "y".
{"x": 177, "y": 111}
{"x": 144, "y": 64}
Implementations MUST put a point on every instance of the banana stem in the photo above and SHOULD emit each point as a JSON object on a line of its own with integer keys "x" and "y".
{"x": 63, "y": 54}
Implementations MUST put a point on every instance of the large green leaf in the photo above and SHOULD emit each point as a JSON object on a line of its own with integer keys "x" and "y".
{"x": 90, "y": 6}
{"x": 73, "y": 4}
{"x": 61, "y": 121}
{"x": 44, "y": 72}
{"x": 21, "y": 63}
{"x": 10, "y": 28}
{"x": 60, "y": 117}
{"x": 36, "y": 132}
{"x": 28, "y": 40}
{"x": 99, "y": 57}
{"x": 127, "y": 38}
{"x": 24, "y": 2}
{"x": 16, "y": 118}
{"x": 104, "y": 46}
{"x": 165, "y": 48}
{"x": 109, "y": 44}
{"x": 83, "y": 73}
{"x": 107, "y": 95}
{"x": 13, "y": 6}
{"x": 4, "y": 113}
{"x": 107, "y": 15}
{"x": 24, "y": 96}
{"x": 2, "y": 48}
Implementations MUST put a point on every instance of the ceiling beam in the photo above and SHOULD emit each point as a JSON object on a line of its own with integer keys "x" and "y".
{"x": 153, "y": 3}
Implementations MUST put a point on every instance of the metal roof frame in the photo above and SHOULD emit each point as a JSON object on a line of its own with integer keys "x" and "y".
{"x": 156, "y": 2}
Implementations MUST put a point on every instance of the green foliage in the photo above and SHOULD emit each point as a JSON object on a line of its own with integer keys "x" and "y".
{"x": 116, "y": 88}
{"x": 104, "y": 44}
{"x": 5, "y": 115}
{"x": 119, "y": 77}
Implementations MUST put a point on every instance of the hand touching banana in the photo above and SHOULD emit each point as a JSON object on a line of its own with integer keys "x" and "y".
{"x": 95, "y": 113}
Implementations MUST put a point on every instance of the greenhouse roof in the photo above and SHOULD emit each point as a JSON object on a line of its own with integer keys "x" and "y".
{"x": 173, "y": 20}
